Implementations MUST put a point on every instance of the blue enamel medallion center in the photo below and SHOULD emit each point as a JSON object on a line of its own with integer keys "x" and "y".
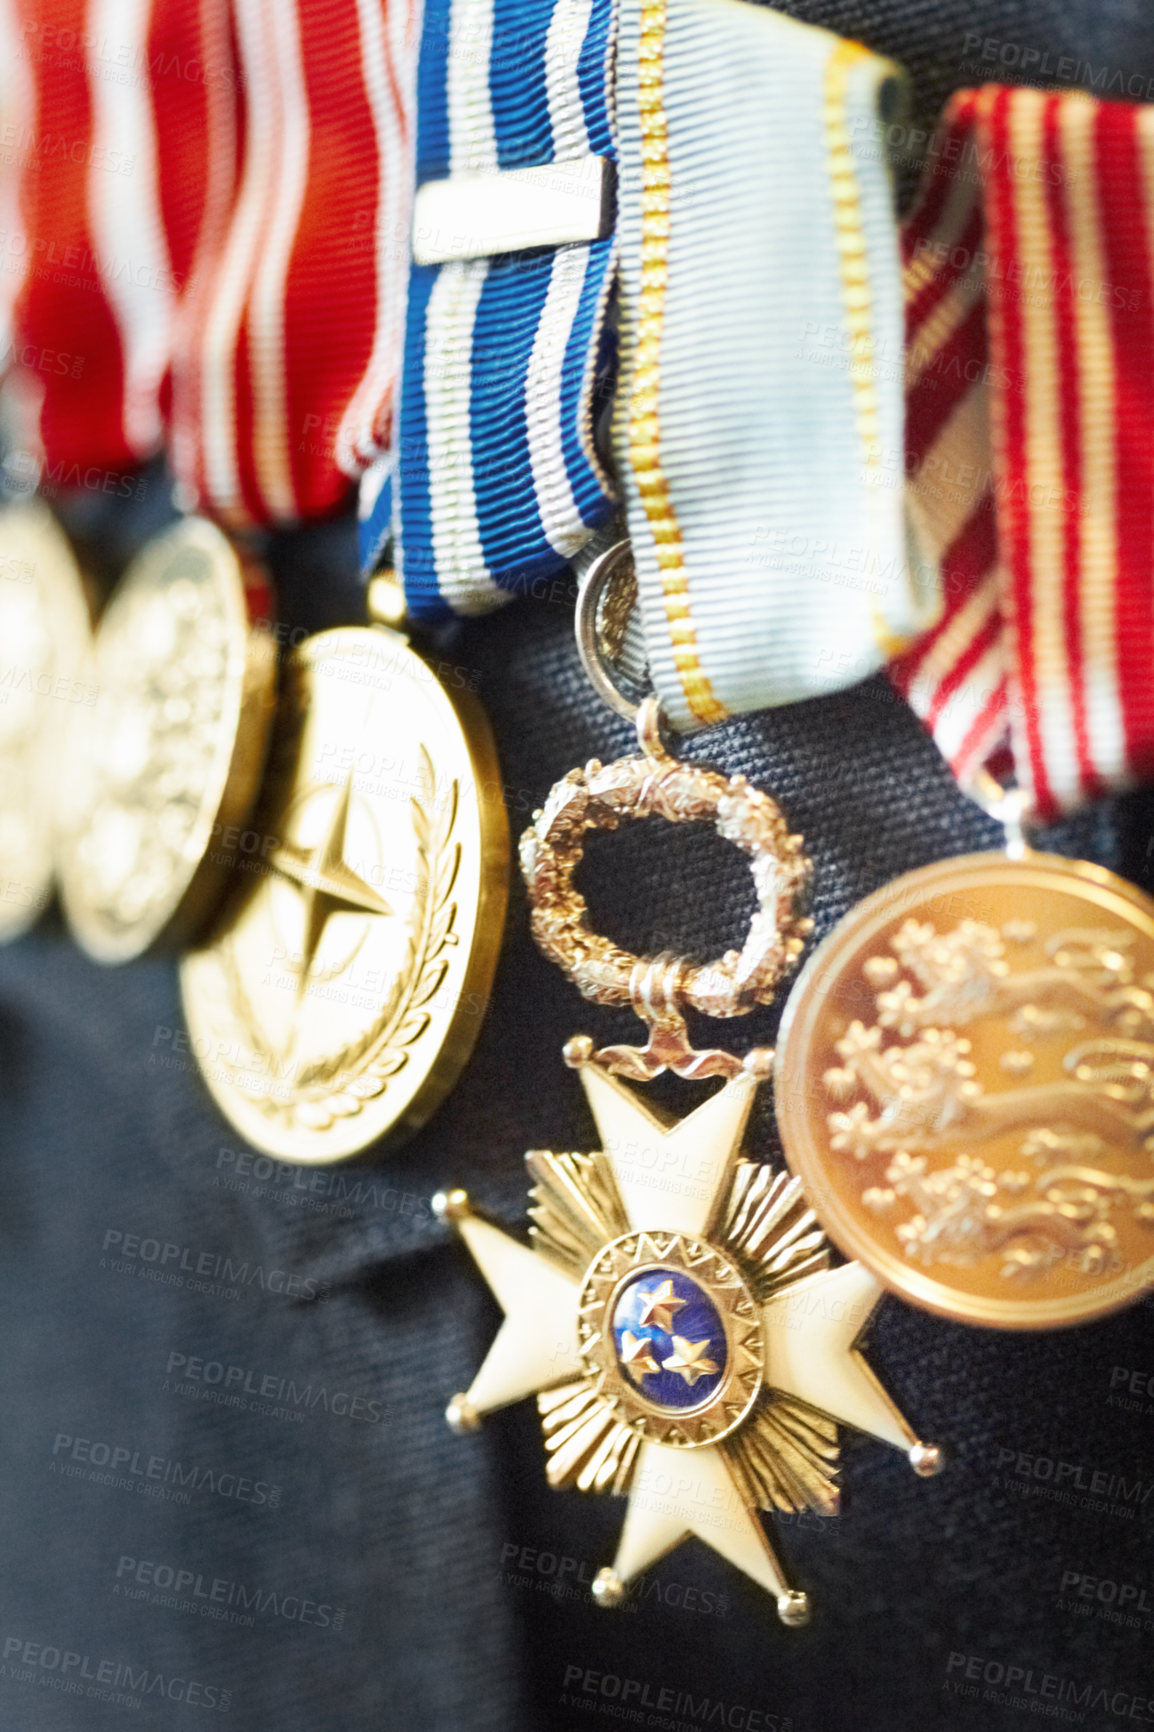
{"x": 670, "y": 1339}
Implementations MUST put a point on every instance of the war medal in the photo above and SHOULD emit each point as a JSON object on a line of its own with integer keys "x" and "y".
{"x": 159, "y": 777}
{"x": 677, "y": 1318}
{"x": 344, "y": 985}
{"x": 44, "y": 678}
{"x": 966, "y": 1066}
{"x": 965, "y": 1079}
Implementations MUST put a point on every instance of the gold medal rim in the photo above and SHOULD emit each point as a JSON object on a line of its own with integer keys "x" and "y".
{"x": 198, "y": 888}
{"x": 811, "y": 1163}
{"x": 60, "y": 586}
{"x": 463, "y": 1028}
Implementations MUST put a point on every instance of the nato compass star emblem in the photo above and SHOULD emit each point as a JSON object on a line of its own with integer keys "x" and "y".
{"x": 688, "y": 1343}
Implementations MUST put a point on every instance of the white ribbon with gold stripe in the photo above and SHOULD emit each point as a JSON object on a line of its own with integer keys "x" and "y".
{"x": 759, "y": 428}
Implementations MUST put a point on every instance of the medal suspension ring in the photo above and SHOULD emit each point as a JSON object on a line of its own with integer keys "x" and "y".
{"x": 652, "y": 783}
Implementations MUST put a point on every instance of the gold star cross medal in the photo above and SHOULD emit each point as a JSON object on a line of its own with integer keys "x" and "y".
{"x": 676, "y": 1316}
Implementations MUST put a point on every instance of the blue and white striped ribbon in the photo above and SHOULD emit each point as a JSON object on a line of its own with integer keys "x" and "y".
{"x": 495, "y": 481}
{"x": 759, "y": 424}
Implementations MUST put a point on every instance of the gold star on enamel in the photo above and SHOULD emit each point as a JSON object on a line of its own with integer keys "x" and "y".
{"x": 660, "y": 1305}
{"x": 688, "y": 1360}
{"x": 635, "y": 1353}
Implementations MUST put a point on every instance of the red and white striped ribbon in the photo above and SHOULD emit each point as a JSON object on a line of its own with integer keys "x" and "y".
{"x": 102, "y": 232}
{"x": 291, "y": 333}
{"x": 954, "y": 675}
{"x": 1029, "y": 261}
{"x": 17, "y": 115}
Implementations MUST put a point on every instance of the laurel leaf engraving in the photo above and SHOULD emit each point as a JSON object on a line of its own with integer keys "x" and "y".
{"x": 447, "y": 875}
{"x": 441, "y": 928}
{"x": 365, "y": 1088}
{"x": 390, "y": 1063}
{"x": 360, "y": 1072}
{"x": 430, "y": 981}
{"x": 411, "y": 1028}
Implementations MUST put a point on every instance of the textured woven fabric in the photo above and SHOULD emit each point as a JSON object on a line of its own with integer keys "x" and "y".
{"x": 758, "y": 429}
{"x": 1029, "y": 331}
{"x": 100, "y": 223}
{"x": 290, "y": 326}
{"x": 495, "y": 482}
{"x": 462, "y": 1578}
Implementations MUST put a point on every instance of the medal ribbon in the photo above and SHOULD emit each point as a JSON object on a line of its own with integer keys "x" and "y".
{"x": 1030, "y": 284}
{"x": 759, "y": 425}
{"x": 954, "y": 676}
{"x": 17, "y": 112}
{"x": 495, "y": 482}
{"x": 291, "y": 336}
{"x": 101, "y": 222}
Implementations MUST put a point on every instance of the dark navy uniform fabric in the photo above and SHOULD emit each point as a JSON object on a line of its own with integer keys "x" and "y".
{"x": 228, "y": 1494}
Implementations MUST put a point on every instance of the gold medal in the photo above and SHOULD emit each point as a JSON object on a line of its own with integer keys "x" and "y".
{"x": 345, "y": 983}
{"x": 159, "y": 777}
{"x": 675, "y": 1315}
{"x": 965, "y": 1085}
{"x": 44, "y": 632}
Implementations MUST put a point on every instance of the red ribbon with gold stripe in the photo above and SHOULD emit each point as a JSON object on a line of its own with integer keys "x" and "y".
{"x": 1029, "y": 261}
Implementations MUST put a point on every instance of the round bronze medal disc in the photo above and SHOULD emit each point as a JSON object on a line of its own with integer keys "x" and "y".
{"x": 345, "y": 983}
{"x": 44, "y": 635}
{"x": 161, "y": 773}
{"x": 965, "y": 1085}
